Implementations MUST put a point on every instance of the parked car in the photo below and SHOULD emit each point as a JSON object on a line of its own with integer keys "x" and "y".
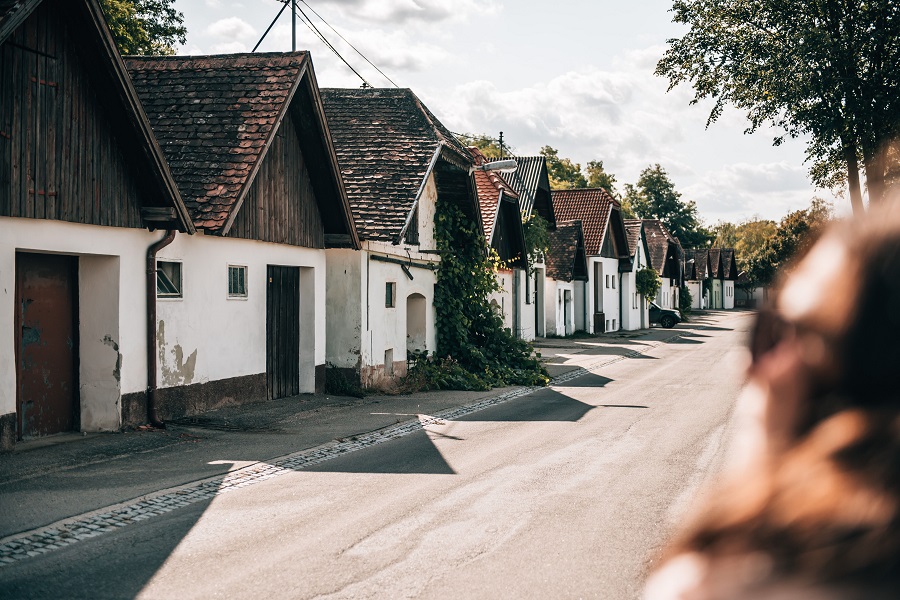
{"x": 666, "y": 317}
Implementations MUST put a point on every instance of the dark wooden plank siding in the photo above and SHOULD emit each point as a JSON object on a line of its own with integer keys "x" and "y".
{"x": 61, "y": 156}
{"x": 281, "y": 204}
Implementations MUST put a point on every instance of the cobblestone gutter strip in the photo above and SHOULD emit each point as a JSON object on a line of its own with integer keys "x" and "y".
{"x": 69, "y": 531}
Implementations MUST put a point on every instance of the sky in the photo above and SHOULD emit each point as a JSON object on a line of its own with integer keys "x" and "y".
{"x": 576, "y": 75}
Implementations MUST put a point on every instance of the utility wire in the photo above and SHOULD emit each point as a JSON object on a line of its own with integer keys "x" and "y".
{"x": 315, "y": 30}
{"x": 269, "y": 28}
{"x": 346, "y": 41}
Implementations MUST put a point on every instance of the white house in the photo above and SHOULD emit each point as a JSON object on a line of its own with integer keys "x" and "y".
{"x": 696, "y": 276}
{"x": 635, "y": 309}
{"x": 241, "y": 304}
{"x": 729, "y": 276}
{"x": 531, "y": 182}
{"x": 566, "y": 263}
{"x": 81, "y": 181}
{"x": 502, "y": 222}
{"x": 665, "y": 257}
{"x": 716, "y": 279}
{"x": 597, "y": 300}
{"x": 397, "y": 160}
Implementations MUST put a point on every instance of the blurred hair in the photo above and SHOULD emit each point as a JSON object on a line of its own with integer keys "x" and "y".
{"x": 827, "y": 510}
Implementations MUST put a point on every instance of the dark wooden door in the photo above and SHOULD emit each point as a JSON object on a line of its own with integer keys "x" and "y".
{"x": 283, "y": 332}
{"x": 46, "y": 344}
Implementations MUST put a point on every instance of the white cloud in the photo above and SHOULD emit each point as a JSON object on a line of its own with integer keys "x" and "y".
{"x": 403, "y": 11}
{"x": 231, "y": 29}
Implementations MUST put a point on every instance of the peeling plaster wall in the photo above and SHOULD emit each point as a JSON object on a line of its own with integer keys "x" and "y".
{"x": 207, "y": 336}
{"x": 100, "y": 356}
{"x": 111, "y": 309}
{"x": 504, "y": 298}
{"x": 344, "y": 306}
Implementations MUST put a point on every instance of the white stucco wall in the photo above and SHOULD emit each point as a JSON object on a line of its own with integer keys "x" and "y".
{"x": 609, "y": 295}
{"x": 503, "y": 299}
{"x": 362, "y": 330}
{"x": 558, "y": 321}
{"x": 635, "y": 310}
{"x": 695, "y": 287}
{"x": 112, "y": 310}
{"x": 728, "y": 295}
{"x": 666, "y": 296}
{"x": 207, "y": 336}
{"x": 715, "y": 297}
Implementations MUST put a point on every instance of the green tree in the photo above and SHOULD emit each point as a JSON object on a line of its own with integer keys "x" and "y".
{"x": 795, "y": 233}
{"x": 145, "y": 27}
{"x": 597, "y": 177}
{"x": 489, "y": 146}
{"x": 746, "y": 237}
{"x": 654, "y": 197}
{"x": 564, "y": 174}
{"x": 825, "y": 69}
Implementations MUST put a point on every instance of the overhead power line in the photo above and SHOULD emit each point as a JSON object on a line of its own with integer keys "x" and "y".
{"x": 346, "y": 41}
{"x": 315, "y": 30}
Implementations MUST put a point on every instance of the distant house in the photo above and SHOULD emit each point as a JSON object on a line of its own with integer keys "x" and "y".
{"x": 598, "y": 301}
{"x": 503, "y": 233}
{"x": 82, "y": 180}
{"x": 635, "y": 310}
{"x": 665, "y": 257}
{"x": 241, "y": 307}
{"x": 531, "y": 182}
{"x": 716, "y": 279}
{"x": 566, "y": 263}
{"x": 729, "y": 276}
{"x": 696, "y": 276}
{"x": 398, "y": 161}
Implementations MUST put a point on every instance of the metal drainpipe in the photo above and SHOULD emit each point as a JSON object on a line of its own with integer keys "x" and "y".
{"x": 152, "y": 417}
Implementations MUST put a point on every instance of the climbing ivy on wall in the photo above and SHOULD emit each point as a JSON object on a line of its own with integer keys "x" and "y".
{"x": 470, "y": 335}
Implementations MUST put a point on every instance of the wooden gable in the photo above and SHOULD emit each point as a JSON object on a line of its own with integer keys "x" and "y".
{"x": 281, "y": 205}
{"x": 509, "y": 237}
{"x": 74, "y": 143}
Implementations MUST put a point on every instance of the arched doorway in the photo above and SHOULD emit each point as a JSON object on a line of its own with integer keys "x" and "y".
{"x": 415, "y": 323}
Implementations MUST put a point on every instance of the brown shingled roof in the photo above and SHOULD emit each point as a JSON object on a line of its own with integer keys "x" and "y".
{"x": 386, "y": 141}
{"x": 215, "y": 117}
{"x": 700, "y": 256}
{"x": 715, "y": 263}
{"x": 566, "y": 259}
{"x": 665, "y": 250}
{"x": 633, "y": 229}
{"x": 729, "y": 264}
{"x": 592, "y": 207}
{"x": 489, "y": 185}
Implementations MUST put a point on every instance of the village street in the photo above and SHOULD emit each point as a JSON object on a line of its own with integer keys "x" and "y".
{"x": 566, "y": 492}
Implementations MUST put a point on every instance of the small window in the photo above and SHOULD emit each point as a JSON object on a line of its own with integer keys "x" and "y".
{"x": 237, "y": 281}
{"x": 614, "y": 325}
{"x": 168, "y": 279}
{"x": 390, "y": 294}
{"x": 607, "y": 281}
{"x": 614, "y": 283}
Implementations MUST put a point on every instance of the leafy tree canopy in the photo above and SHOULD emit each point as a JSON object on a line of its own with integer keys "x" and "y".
{"x": 597, "y": 177}
{"x": 654, "y": 197}
{"x": 564, "y": 174}
{"x": 824, "y": 69}
{"x": 747, "y": 238}
{"x": 794, "y": 234}
{"x": 145, "y": 27}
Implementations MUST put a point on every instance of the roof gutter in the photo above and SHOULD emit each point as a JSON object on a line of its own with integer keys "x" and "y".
{"x": 152, "y": 416}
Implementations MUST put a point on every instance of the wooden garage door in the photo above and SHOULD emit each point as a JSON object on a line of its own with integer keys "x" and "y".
{"x": 46, "y": 344}
{"x": 283, "y": 332}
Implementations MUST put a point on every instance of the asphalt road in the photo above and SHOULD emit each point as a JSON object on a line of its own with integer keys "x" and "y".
{"x": 568, "y": 492}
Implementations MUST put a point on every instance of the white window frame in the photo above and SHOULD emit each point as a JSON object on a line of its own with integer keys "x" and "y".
{"x": 228, "y": 293}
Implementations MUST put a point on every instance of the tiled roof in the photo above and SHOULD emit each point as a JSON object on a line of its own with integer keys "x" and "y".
{"x": 728, "y": 263}
{"x": 658, "y": 239}
{"x": 214, "y": 116}
{"x": 562, "y": 253}
{"x": 592, "y": 207}
{"x": 385, "y": 140}
{"x": 489, "y": 185}
{"x": 715, "y": 263}
{"x": 526, "y": 180}
{"x": 701, "y": 261}
{"x": 633, "y": 232}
